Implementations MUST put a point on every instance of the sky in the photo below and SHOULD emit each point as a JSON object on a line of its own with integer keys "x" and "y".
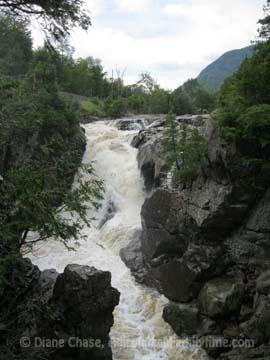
{"x": 172, "y": 39}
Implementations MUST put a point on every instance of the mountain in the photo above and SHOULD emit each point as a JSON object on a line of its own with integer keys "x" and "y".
{"x": 213, "y": 76}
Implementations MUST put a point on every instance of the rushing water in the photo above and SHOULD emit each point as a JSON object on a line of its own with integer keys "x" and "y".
{"x": 138, "y": 318}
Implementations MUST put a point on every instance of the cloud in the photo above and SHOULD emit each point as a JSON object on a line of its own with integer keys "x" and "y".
{"x": 133, "y": 6}
{"x": 174, "y": 40}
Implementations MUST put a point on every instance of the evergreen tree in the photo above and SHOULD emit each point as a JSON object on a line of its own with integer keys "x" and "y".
{"x": 184, "y": 149}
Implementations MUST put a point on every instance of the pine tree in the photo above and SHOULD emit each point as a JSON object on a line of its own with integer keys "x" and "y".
{"x": 184, "y": 149}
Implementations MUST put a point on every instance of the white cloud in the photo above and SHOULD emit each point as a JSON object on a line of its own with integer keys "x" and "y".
{"x": 176, "y": 9}
{"x": 96, "y": 7}
{"x": 133, "y": 6}
{"x": 173, "y": 40}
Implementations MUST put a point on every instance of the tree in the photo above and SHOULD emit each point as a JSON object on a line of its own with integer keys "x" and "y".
{"x": 35, "y": 194}
{"x": 264, "y": 32}
{"x": 184, "y": 149}
{"x": 15, "y": 46}
{"x": 243, "y": 105}
{"x": 57, "y": 18}
{"x": 170, "y": 142}
{"x": 181, "y": 103}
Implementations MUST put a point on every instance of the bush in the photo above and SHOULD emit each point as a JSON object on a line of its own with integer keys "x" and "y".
{"x": 115, "y": 108}
{"x": 254, "y": 124}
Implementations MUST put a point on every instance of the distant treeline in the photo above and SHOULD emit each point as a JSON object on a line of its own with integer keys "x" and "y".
{"x": 86, "y": 77}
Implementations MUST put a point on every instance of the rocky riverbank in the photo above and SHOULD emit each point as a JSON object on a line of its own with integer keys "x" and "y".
{"x": 205, "y": 244}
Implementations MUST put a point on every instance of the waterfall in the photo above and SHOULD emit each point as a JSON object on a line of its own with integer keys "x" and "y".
{"x": 138, "y": 318}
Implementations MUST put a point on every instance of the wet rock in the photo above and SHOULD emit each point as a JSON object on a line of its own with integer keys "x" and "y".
{"x": 258, "y": 327}
{"x": 132, "y": 256}
{"x": 221, "y": 298}
{"x": 45, "y": 285}
{"x": 109, "y": 213}
{"x": 130, "y": 124}
{"x": 183, "y": 318}
{"x": 263, "y": 283}
{"x": 151, "y": 162}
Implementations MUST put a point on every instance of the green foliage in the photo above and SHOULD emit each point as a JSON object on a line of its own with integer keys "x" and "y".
{"x": 184, "y": 149}
{"x": 157, "y": 102}
{"x": 37, "y": 192}
{"x": 265, "y": 23}
{"x": 137, "y": 103}
{"x": 15, "y": 46}
{"x": 255, "y": 124}
{"x": 243, "y": 112}
{"x": 56, "y": 18}
{"x": 40, "y": 183}
{"x": 115, "y": 108}
{"x": 92, "y": 108}
{"x": 191, "y": 98}
{"x": 181, "y": 103}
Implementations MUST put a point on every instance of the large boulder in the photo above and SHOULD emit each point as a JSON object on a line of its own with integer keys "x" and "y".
{"x": 78, "y": 303}
{"x": 183, "y": 318}
{"x": 151, "y": 162}
{"x": 166, "y": 228}
{"x": 86, "y": 300}
{"x": 182, "y": 279}
{"x": 221, "y": 298}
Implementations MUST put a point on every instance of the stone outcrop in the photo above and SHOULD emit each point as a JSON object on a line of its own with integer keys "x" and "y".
{"x": 221, "y": 298}
{"x": 205, "y": 244}
{"x": 77, "y": 304}
{"x": 182, "y": 317}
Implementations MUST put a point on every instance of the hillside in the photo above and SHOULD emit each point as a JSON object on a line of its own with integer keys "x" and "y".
{"x": 213, "y": 76}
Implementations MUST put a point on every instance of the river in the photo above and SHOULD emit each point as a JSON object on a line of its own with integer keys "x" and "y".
{"x": 138, "y": 319}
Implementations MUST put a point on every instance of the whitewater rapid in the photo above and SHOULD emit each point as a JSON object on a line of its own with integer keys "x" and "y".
{"x": 138, "y": 318}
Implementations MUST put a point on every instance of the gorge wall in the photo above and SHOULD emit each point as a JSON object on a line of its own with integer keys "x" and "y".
{"x": 205, "y": 244}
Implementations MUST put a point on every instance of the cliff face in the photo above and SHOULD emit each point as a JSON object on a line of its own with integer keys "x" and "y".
{"x": 205, "y": 245}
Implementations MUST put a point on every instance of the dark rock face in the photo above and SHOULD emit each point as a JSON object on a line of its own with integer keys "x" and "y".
{"x": 263, "y": 283}
{"x": 182, "y": 318}
{"x": 182, "y": 279}
{"x": 221, "y": 297}
{"x": 258, "y": 327}
{"x": 76, "y": 304}
{"x": 207, "y": 243}
{"x": 160, "y": 221}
